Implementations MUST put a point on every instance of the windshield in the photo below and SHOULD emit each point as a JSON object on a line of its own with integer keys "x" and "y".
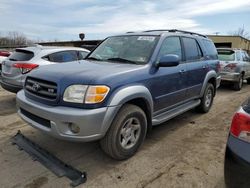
{"x": 125, "y": 49}
{"x": 226, "y": 55}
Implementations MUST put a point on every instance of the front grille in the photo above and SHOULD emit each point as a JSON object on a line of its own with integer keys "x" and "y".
{"x": 41, "y": 88}
{"x": 33, "y": 117}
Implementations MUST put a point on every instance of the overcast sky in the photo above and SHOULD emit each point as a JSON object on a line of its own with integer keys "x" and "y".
{"x": 64, "y": 19}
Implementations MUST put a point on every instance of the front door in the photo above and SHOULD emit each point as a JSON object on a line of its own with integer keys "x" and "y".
{"x": 169, "y": 83}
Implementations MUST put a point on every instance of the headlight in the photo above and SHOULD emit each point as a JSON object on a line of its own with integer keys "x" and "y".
{"x": 85, "y": 94}
{"x": 75, "y": 93}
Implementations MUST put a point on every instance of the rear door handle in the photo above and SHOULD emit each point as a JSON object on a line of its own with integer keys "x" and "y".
{"x": 205, "y": 66}
{"x": 182, "y": 71}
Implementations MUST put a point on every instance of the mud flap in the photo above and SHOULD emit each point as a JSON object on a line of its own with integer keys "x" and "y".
{"x": 54, "y": 164}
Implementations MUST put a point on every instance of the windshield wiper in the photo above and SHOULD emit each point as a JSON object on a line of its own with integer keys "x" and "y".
{"x": 93, "y": 58}
{"x": 122, "y": 60}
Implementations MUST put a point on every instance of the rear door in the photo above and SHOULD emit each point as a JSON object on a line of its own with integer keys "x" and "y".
{"x": 196, "y": 66}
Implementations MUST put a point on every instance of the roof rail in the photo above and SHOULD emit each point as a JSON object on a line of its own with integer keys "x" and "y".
{"x": 179, "y": 31}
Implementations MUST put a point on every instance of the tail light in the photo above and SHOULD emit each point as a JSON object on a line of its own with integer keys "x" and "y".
{"x": 231, "y": 66}
{"x": 240, "y": 126}
{"x": 25, "y": 67}
{"x": 218, "y": 67}
{"x": 5, "y": 54}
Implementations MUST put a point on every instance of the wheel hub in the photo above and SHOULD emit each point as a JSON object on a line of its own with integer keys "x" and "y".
{"x": 130, "y": 133}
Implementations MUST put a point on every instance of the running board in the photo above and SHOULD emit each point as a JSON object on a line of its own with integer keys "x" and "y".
{"x": 175, "y": 112}
{"x": 54, "y": 164}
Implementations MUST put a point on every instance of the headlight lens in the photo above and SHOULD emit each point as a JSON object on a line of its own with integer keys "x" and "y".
{"x": 85, "y": 94}
{"x": 96, "y": 94}
{"x": 75, "y": 93}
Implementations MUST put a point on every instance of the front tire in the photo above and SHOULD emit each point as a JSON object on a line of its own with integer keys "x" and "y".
{"x": 207, "y": 99}
{"x": 126, "y": 134}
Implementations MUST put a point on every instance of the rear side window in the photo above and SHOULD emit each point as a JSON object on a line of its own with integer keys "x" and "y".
{"x": 245, "y": 56}
{"x": 21, "y": 55}
{"x": 192, "y": 49}
{"x": 226, "y": 55}
{"x": 60, "y": 57}
{"x": 210, "y": 49}
{"x": 238, "y": 56}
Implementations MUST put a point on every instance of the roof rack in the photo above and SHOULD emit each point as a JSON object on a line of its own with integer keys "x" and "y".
{"x": 179, "y": 31}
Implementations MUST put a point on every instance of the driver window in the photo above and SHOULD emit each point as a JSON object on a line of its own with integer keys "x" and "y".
{"x": 170, "y": 45}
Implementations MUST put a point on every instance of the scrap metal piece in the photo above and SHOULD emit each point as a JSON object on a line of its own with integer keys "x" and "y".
{"x": 51, "y": 162}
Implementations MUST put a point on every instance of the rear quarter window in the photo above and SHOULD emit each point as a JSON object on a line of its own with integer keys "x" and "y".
{"x": 210, "y": 48}
{"x": 21, "y": 55}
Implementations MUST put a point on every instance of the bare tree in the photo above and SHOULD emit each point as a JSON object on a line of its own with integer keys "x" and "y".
{"x": 14, "y": 38}
{"x": 241, "y": 32}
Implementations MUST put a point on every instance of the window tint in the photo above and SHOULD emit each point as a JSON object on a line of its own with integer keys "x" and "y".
{"x": 21, "y": 55}
{"x": 210, "y": 49}
{"x": 245, "y": 56}
{"x": 65, "y": 56}
{"x": 137, "y": 49}
{"x": 82, "y": 55}
{"x": 170, "y": 45}
{"x": 226, "y": 55}
{"x": 192, "y": 49}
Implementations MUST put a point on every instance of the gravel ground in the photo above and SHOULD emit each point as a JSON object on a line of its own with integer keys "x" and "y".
{"x": 187, "y": 151}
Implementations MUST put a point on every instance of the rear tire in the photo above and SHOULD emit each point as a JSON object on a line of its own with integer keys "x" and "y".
{"x": 238, "y": 85}
{"x": 248, "y": 81}
{"x": 207, "y": 99}
{"x": 126, "y": 134}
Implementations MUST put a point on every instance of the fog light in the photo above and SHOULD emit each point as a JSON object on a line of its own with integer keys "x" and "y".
{"x": 74, "y": 128}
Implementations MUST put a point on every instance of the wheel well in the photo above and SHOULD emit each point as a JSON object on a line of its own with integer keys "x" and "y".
{"x": 213, "y": 81}
{"x": 243, "y": 73}
{"x": 144, "y": 105}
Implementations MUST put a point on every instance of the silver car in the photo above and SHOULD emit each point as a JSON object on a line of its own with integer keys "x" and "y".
{"x": 24, "y": 60}
{"x": 235, "y": 66}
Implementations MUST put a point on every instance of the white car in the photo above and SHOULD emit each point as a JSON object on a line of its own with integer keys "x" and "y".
{"x": 24, "y": 60}
{"x": 3, "y": 55}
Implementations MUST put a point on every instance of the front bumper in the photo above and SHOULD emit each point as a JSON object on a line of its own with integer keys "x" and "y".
{"x": 228, "y": 76}
{"x": 237, "y": 163}
{"x": 93, "y": 123}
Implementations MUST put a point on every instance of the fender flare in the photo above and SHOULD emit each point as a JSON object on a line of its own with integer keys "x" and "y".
{"x": 210, "y": 74}
{"x": 122, "y": 96}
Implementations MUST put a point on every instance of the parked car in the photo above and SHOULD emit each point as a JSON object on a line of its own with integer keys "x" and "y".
{"x": 235, "y": 66}
{"x": 24, "y": 60}
{"x": 237, "y": 157}
{"x": 128, "y": 84}
{"x": 3, "y": 55}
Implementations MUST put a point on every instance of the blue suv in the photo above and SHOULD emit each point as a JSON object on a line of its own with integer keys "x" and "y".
{"x": 128, "y": 84}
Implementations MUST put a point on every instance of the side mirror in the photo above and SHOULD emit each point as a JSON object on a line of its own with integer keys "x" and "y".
{"x": 169, "y": 61}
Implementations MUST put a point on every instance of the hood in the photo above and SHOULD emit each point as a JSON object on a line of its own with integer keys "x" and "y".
{"x": 82, "y": 72}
